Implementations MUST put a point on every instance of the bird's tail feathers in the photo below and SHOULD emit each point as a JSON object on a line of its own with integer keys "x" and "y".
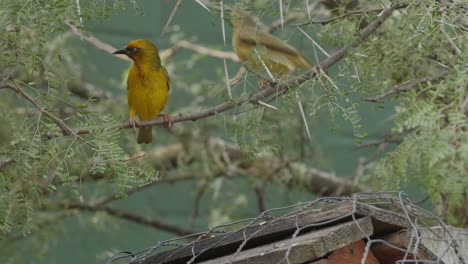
{"x": 145, "y": 135}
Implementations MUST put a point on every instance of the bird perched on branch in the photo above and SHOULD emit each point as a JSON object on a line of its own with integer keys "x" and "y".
{"x": 260, "y": 49}
{"x": 147, "y": 84}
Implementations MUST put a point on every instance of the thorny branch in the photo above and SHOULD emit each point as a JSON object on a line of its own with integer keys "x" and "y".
{"x": 274, "y": 88}
{"x": 406, "y": 86}
{"x": 128, "y": 216}
{"x": 267, "y": 167}
{"x": 165, "y": 54}
{"x": 348, "y": 13}
{"x": 200, "y": 49}
{"x": 65, "y": 129}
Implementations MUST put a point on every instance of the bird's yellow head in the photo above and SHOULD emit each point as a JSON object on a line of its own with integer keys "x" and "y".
{"x": 141, "y": 51}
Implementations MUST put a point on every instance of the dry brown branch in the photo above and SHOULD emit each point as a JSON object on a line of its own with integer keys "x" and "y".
{"x": 65, "y": 129}
{"x": 5, "y": 163}
{"x": 97, "y": 42}
{"x": 176, "y": 6}
{"x": 197, "y": 202}
{"x": 402, "y": 88}
{"x": 87, "y": 91}
{"x": 348, "y": 13}
{"x": 139, "y": 219}
{"x": 207, "y": 51}
{"x": 276, "y": 24}
{"x": 267, "y": 167}
{"x": 279, "y": 88}
{"x": 260, "y": 195}
{"x": 165, "y": 54}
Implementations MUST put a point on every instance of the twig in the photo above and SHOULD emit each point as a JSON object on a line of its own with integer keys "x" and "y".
{"x": 128, "y": 216}
{"x": 196, "y": 203}
{"x": 406, "y": 86}
{"x": 97, "y": 42}
{"x": 464, "y": 103}
{"x": 281, "y": 12}
{"x": 304, "y": 119}
{"x": 207, "y": 51}
{"x": 314, "y": 42}
{"x": 260, "y": 193}
{"x": 348, "y": 13}
{"x": 5, "y": 163}
{"x": 165, "y": 54}
{"x": 135, "y": 158}
{"x": 203, "y": 5}
{"x": 385, "y": 140}
{"x": 65, "y": 129}
{"x": 276, "y": 24}
{"x": 171, "y": 16}
{"x": 223, "y": 31}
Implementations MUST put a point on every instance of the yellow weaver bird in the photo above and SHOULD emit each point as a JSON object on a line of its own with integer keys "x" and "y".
{"x": 147, "y": 84}
{"x": 254, "y": 46}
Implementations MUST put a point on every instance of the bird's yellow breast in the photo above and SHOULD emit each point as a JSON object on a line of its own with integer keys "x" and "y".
{"x": 148, "y": 90}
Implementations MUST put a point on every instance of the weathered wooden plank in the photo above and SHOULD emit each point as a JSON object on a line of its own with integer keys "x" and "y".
{"x": 280, "y": 228}
{"x": 384, "y": 221}
{"x": 306, "y": 247}
{"x": 261, "y": 234}
{"x": 437, "y": 240}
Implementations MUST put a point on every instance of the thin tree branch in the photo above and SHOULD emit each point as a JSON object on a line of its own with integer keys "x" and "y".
{"x": 65, "y": 129}
{"x": 87, "y": 91}
{"x": 180, "y": 231}
{"x": 171, "y": 16}
{"x": 273, "y": 89}
{"x": 464, "y": 103}
{"x": 266, "y": 167}
{"x": 403, "y": 88}
{"x": 97, "y": 42}
{"x": 206, "y": 51}
{"x": 260, "y": 195}
{"x": 128, "y": 192}
{"x": 196, "y": 203}
{"x": 276, "y": 24}
{"x": 348, "y": 13}
{"x": 165, "y": 54}
{"x": 5, "y": 163}
{"x": 391, "y": 138}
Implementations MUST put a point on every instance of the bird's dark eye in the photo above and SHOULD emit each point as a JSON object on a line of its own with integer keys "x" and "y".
{"x": 134, "y": 50}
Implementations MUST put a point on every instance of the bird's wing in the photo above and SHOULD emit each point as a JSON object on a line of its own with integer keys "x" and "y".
{"x": 269, "y": 41}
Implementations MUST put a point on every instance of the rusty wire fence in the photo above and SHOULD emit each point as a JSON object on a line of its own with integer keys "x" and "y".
{"x": 278, "y": 234}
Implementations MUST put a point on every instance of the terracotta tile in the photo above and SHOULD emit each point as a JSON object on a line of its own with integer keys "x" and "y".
{"x": 352, "y": 254}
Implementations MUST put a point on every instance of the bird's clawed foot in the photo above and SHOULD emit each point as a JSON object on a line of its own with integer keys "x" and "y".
{"x": 262, "y": 85}
{"x": 167, "y": 120}
{"x": 133, "y": 123}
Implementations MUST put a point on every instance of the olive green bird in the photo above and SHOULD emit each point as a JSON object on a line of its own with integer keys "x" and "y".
{"x": 276, "y": 55}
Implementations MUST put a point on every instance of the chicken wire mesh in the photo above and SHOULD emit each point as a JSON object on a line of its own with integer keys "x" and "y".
{"x": 276, "y": 234}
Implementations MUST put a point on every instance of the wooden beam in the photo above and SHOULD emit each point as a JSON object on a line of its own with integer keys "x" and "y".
{"x": 436, "y": 244}
{"x": 306, "y": 247}
{"x": 277, "y": 229}
{"x": 438, "y": 240}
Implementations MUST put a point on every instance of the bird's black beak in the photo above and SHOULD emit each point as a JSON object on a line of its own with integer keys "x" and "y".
{"x": 122, "y": 51}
